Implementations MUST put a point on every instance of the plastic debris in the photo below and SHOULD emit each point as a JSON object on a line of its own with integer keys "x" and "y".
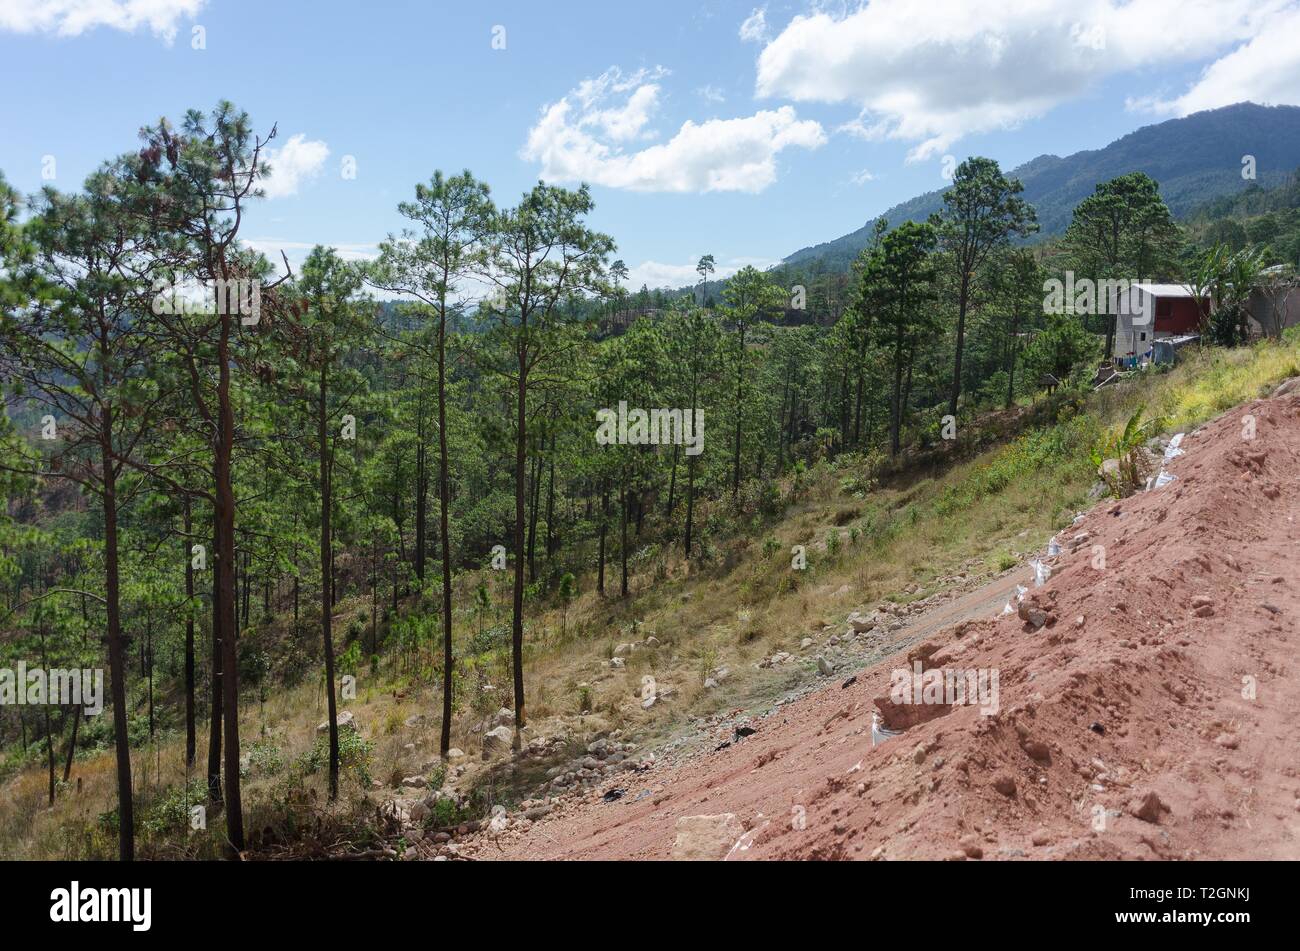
{"x": 1041, "y": 573}
{"x": 880, "y": 732}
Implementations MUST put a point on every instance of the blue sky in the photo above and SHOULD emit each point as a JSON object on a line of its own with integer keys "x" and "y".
{"x": 739, "y": 130}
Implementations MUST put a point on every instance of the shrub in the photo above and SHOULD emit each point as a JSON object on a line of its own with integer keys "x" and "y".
{"x": 354, "y": 755}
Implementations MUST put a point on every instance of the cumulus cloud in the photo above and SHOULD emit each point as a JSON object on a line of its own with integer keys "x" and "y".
{"x": 296, "y": 162}
{"x": 74, "y": 17}
{"x": 1265, "y": 70}
{"x": 970, "y": 66}
{"x": 591, "y": 135}
{"x": 862, "y": 177}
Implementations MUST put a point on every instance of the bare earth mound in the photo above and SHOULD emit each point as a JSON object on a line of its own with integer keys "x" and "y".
{"x": 1153, "y": 714}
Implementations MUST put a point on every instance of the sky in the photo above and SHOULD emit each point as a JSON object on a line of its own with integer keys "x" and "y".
{"x": 737, "y": 130}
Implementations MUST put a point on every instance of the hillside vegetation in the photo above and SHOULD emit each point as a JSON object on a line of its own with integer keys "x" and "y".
{"x": 871, "y": 535}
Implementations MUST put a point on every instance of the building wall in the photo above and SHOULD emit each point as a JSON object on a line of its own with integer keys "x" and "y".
{"x": 1260, "y": 305}
{"x": 1184, "y": 317}
{"x": 1134, "y": 321}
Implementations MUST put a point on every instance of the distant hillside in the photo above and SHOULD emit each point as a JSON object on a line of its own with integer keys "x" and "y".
{"x": 1195, "y": 159}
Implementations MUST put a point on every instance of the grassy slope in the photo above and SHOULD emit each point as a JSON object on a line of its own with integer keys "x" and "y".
{"x": 899, "y": 541}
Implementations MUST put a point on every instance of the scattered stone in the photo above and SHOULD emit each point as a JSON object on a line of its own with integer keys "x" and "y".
{"x": 1147, "y": 807}
{"x": 1005, "y": 783}
{"x": 824, "y": 666}
{"x": 345, "y": 720}
{"x": 1037, "y": 750}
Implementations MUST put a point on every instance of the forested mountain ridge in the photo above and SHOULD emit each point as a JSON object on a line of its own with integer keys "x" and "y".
{"x": 1194, "y": 159}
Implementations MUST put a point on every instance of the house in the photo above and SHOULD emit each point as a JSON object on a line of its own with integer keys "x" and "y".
{"x": 1275, "y": 305}
{"x": 1146, "y": 312}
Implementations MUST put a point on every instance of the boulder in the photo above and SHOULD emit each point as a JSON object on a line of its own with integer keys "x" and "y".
{"x": 346, "y": 721}
{"x": 497, "y": 740}
{"x": 1288, "y": 386}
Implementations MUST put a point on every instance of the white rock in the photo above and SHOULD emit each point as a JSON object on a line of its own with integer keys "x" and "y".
{"x": 346, "y": 721}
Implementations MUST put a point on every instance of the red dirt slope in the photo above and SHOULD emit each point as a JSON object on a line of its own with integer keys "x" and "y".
{"x": 1153, "y": 715}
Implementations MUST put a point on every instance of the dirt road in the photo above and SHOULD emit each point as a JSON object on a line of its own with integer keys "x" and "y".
{"x": 1147, "y": 702}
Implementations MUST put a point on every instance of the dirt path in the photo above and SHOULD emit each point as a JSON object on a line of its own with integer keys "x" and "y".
{"x": 1153, "y": 714}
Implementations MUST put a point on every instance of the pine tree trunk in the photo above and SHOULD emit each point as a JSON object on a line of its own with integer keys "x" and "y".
{"x": 190, "y": 740}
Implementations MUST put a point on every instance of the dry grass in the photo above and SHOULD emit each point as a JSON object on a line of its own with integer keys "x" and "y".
{"x": 899, "y": 542}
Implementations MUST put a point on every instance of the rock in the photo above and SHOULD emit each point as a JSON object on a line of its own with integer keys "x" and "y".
{"x": 1287, "y": 386}
{"x": 1005, "y": 783}
{"x": 418, "y": 812}
{"x": 617, "y": 663}
{"x": 415, "y": 720}
{"x": 825, "y": 667}
{"x": 597, "y": 747}
{"x": 1228, "y": 741}
{"x": 503, "y": 717}
{"x": 1037, "y": 750}
{"x": 970, "y": 845}
{"x": 537, "y": 812}
{"x": 1040, "y": 837}
{"x": 709, "y": 683}
{"x": 622, "y": 650}
{"x": 805, "y": 643}
{"x": 706, "y": 838}
{"x": 1147, "y": 807}
{"x": 414, "y": 782}
{"x": 1031, "y": 613}
{"x": 497, "y": 740}
{"x": 455, "y": 753}
{"x": 649, "y": 701}
{"x": 652, "y": 641}
{"x": 346, "y": 721}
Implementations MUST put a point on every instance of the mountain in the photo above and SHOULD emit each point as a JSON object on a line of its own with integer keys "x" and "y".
{"x": 1195, "y": 159}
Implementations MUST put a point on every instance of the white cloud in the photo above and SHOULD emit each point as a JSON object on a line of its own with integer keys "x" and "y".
{"x": 1265, "y": 70}
{"x": 655, "y": 274}
{"x": 711, "y": 94}
{"x": 583, "y": 137}
{"x": 74, "y": 17}
{"x": 862, "y": 177}
{"x": 296, "y": 162}
{"x": 969, "y": 66}
{"x": 754, "y": 29}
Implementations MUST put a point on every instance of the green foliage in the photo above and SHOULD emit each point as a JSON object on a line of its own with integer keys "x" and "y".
{"x": 354, "y": 756}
